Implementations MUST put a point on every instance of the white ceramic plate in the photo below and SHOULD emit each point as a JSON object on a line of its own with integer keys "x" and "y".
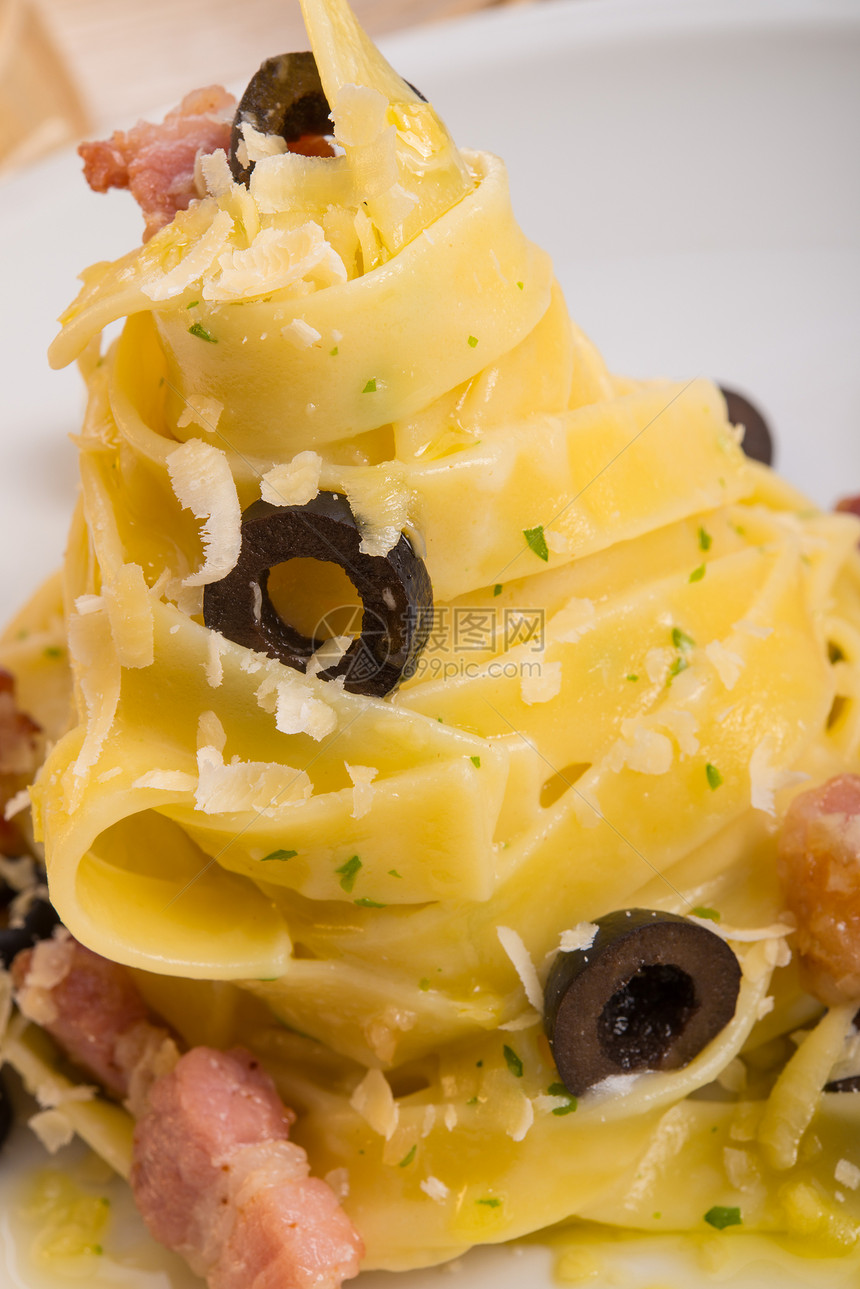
{"x": 693, "y": 169}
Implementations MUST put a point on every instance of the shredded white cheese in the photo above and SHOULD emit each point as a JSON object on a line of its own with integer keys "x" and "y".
{"x": 167, "y": 781}
{"x": 437, "y": 1190}
{"x": 300, "y": 333}
{"x": 727, "y": 664}
{"x": 295, "y": 708}
{"x": 338, "y": 1180}
{"x": 523, "y": 1121}
{"x": 657, "y": 664}
{"x": 15, "y": 805}
{"x": 580, "y": 936}
{"x": 293, "y": 483}
{"x": 203, "y": 483}
{"x": 642, "y": 749}
{"x": 246, "y": 785}
{"x": 767, "y": 779}
{"x": 201, "y": 410}
{"x": 749, "y": 628}
{"x": 201, "y": 256}
{"x": 362, "y": 790}
{"x": 543, "y": 686}
{"x": 847, "y": 1174}
{"x": 513, "y": 945}
{"x": 213, "y": 667}
{"x": 52, "y": 1128}
{"x": 277, "y": 258}
{"x": 213, "y": 170}
{"x": 525, "y": 1021}
{"x": 374, "y": 1101}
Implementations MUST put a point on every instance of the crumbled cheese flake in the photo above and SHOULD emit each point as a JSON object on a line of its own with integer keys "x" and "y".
{"x": 437, "y": 1190}
{"x": 203, "y": 483}
{"x": 847, "y": 1174}
{"x": 362, "y": 790}
{"x": 766, "y": 779}
{"x": 543, "y": 686}
{"x": 727, "y": 664}
{"x": 201, "y": 410}
{"x": 293, "y": 483}
{"x": 513, "y": 945}
{"x": 167, "y": 781}
{"x": 201, "y": 256}
{"x": 213, "y": 666}
{"x": 300, "y": 333}
{"x": 523, "y": 1121}
{"x": 15, "y": 805}
{"x": 52, "y": 1128}
{"x": 580, "y": 936}
{"x": 374, "y": 1101}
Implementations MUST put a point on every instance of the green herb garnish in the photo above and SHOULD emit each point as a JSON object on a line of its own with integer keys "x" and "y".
{"x": 701, "y": 911}
{"x": 705, "y": 540}
{"x": 721, "y": 1217}
{"x": 497, "y": 589}
{"x": 559, "y": 1090}
{"x": 365, "y": 903}
{"x": 476, "y": 762}
{"x": 537, "y": 542}
{"x": 348, "y": 873}
{"x": 473, "y": 340}
{"x": 513, "y": 1062}
{"x": 197, "y": 329}
{"x": 681, "y": 640}
{"x": 408, "y": 1157}
{"x": 370, "y": 387}
{"x": 631, "y": 676}
{"x": 697, "y": 573}
{"x": 280, "y": 854}
{"x": 490, "y": 1202}
{"x": 193, "y": 304}
{"x": 333, "y": 352}
{"x": 714, "y": 776}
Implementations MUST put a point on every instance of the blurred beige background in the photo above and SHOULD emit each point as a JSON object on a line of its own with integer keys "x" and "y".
{"x": 128, "y": 56}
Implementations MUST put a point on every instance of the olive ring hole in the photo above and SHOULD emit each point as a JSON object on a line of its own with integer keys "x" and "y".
{"x": 644, "y": 1016}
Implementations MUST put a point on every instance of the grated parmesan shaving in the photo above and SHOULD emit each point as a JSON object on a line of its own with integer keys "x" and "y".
{"x": 580, "y": 936}
{"x": 192, "y": 266}
{"x": 338, "y": 1180}
{"x": 328, "y": 655}
{"x": 525, "y": 1021}
{"x": 379, "y": 499}
{"x": 210, "y": 731}
{"x": 524, "y": 1120}
{"x": 277, "y": 258}
{"x": 657, "y": 664}
{"x": 359, "y": 114}
{"x": 213, "y": 667}
{"x": 766, "y": 779}
{"x": 294, "y": 483}
{"x": 203, "y": 483}
{"x": 15, "y": 805}
{"x": 544, "y": 686}
{"x": 300, "y": 333}
{"x": 726, "y": 664}
{"x": 52, "y": 1128}
{"x": 362, "y": 790}
{"x": 847, "y": 1174}
{"x": 258, "y": 145}
{"x": 129, "y": 608}
{"x": 213, "y": 171}
{"x": 295, "y": 708}
{"x": 775, "y": 931}
{"x": 437, "y": 1190}
{"x": 683, "y": 726}
{"x": 642, "y": 749}
{"x": 246, "y": 785}
{"x": 513, "y": 945}
{"x": 450, "y": 1118}
{"x": 201, "y": 410}
{"x": 429, "y": 1121}
{"x": 374, "y": 1101}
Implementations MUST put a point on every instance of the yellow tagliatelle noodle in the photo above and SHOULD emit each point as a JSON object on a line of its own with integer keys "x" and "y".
{"x": 643, "y": 645}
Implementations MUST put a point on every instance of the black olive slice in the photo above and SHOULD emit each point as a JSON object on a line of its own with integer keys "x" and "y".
{"x": 849, "y": 1084}
{"x": 649, "y": 993}
{"x": 758, "y": 440}
{"x": 395, "y": 591}
{"x": 37, "y": 923}
{"x": 285, "y": 96}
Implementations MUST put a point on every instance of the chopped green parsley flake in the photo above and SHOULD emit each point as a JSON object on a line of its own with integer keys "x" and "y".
{"x": 424, "y": 984}
{"x": 721, "y": 1217}
{"x": 681, "y": 640}
{"x": 479, "y": 1064}
{"x": 473, "y": 340}
{"x": 697, "y": 573}
{"x": 537, "y": 542}
{"x": 513, "y": 1062}
{"x": 392, "y": 872}
{"x": 365, "y": 903}
{"x": 408, "y": 1157}
{"x": 53, "y": 651}
{"x": 657, "y": 1216}
{"x": 333, "y": 352}
{"x": 631, "y": 676}
{"x": 370, "y": 387}
{"x": 348, "y": 873}
{"x": 497, "y": 589}
{"x": 280, "y": 854}
{"x": 197, "y": 329}
{"x": 559, "y": 1090}
{"x": 520, "y": 285}
{"x": 472, "y": 1101}
{"x": 702, "y": 911}
{"x": 193, "y": 304}
{"x": 714, "y": 776}
{"x": 705, "y": 540}
{"x": 490, "y": 1202}
{"x": 476, "y": 762}
{"x": 680, "y": 664}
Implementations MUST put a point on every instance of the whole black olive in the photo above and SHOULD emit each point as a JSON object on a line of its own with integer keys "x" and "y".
{"x": 36, "y": 923}
{"x": 285, "y": 97}
{"x": 758, "y": 440}
{"x": 395, "y": 591}
{"x": 649, "y": 993}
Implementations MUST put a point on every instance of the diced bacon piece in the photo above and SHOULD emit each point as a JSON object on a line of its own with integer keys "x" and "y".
{"x": 819, "y": 867}
{"x": 849, "y": 506}
{"x": 21, "y": 751}
{"x": 84, "y": 1002}
{"x": 213, "y": 1171}
{"x": 156, "y": 162}
{"x": 217, "y": 1180}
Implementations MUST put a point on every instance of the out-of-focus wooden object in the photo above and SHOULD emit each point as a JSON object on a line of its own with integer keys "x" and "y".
{"x": 131, "y": 56}
{"x": 39, "y": 105}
